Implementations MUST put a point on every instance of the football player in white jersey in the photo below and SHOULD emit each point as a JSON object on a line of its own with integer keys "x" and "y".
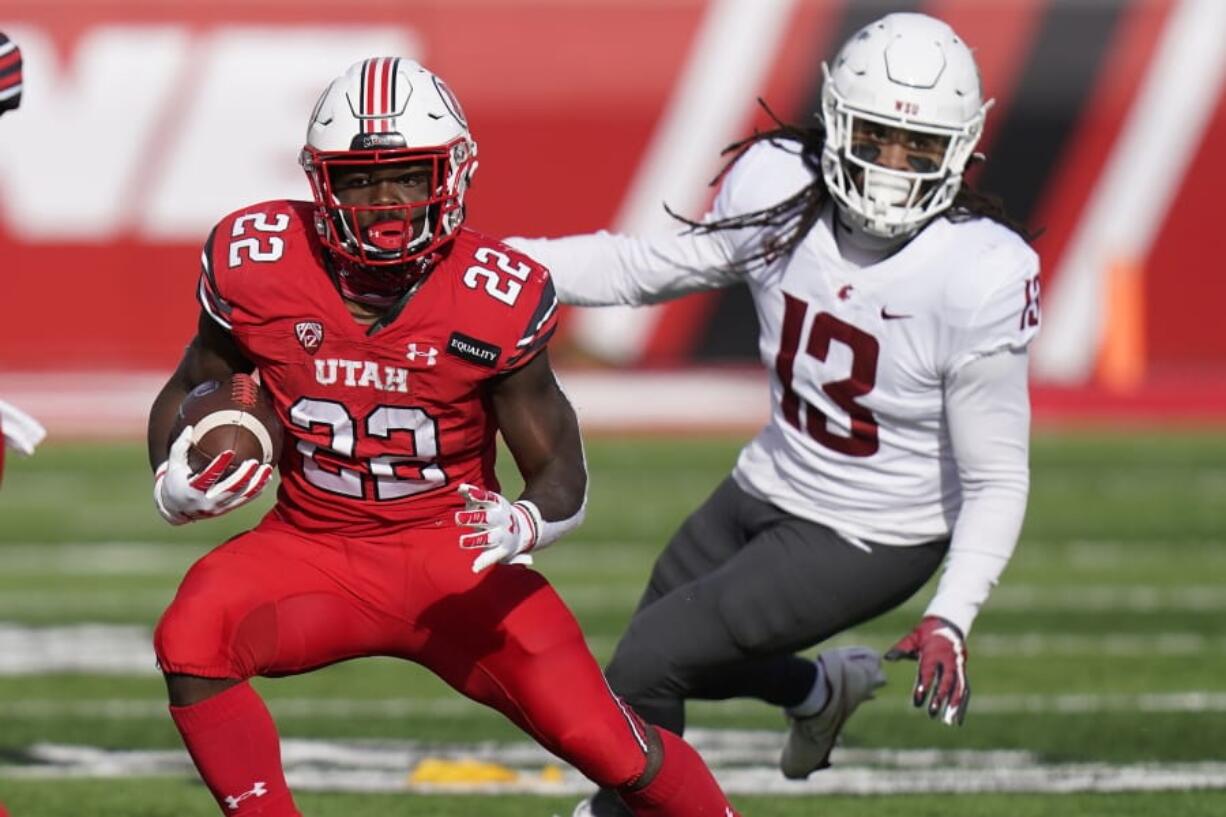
{"x": 895, "y": 307}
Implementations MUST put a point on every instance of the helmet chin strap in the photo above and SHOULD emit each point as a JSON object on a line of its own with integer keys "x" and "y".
{"x": 348, "y": 276}
{"x": 859, "y": 246}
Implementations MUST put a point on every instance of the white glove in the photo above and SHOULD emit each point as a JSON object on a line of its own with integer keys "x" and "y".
{"x": 21, "y": 431}
{"x": 506, "y": 531}
{"x": 182, "y": 496}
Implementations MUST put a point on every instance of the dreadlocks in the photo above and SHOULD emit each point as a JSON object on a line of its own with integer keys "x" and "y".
{"x": 793, "y": 217}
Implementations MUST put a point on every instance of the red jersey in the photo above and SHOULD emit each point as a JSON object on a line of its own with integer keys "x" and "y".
{"x": 382, "y": 423}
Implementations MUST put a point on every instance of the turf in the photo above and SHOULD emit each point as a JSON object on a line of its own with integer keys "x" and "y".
{"x": 1117, "y": 591}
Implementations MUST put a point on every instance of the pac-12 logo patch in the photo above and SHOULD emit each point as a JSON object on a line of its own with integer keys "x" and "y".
{"x": 310, "y": 335}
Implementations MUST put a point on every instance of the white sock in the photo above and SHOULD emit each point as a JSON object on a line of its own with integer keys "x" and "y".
{"x": 815, "y": 701}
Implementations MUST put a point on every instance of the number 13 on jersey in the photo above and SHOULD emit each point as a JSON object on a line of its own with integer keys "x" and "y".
{"x": 825, "y": 330}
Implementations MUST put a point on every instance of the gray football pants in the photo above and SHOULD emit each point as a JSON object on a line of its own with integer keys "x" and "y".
{"x": 739, "y": 589}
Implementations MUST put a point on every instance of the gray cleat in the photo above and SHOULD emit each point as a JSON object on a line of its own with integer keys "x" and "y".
{"x": 853, "y": 673}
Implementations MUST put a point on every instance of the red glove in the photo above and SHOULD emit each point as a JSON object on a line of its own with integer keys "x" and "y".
{"x": 941, "y": 650}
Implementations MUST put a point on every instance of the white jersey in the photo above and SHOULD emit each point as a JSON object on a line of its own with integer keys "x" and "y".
{"x": 860, "y": 357}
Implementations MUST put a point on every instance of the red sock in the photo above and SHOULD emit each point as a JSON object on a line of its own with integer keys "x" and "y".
{"x": 234, "y": 743}
{"x": 684, "y": 786}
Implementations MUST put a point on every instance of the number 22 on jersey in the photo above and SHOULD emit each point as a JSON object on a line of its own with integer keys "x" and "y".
{"x": 825, "y": 330}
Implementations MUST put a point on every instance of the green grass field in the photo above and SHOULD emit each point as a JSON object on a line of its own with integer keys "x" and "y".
{"x": 1099, "y": 664}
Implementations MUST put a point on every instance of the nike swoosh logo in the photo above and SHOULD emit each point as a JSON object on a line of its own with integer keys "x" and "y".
{"x": 890, "y": 316}
{"x": 435, "y": 116}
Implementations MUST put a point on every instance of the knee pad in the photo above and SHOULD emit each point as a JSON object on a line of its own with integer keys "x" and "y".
{"x": 640, "y": 671}
{"x": 210, "y": 636}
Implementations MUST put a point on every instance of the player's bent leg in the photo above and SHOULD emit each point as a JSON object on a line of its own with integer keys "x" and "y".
{"x": 241, "y": 611}
{"x": 234, "y": 743}
{"x": 506, "y": 639}
{"x": 224, "y": 724}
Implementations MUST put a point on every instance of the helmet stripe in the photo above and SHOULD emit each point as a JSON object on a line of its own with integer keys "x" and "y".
{"x": 395, "y": 77}
{"x": 368, "y": 93}
{"x": 385, "y": 65}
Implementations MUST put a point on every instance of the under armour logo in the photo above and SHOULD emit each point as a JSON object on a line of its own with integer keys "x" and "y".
{"x": 258, "y": 790}
{"x": 429, "y": 354}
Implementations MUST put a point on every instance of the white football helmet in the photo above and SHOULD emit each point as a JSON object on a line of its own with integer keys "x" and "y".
{"x": 906, "y": 71}
{"x": 380, "y": 111}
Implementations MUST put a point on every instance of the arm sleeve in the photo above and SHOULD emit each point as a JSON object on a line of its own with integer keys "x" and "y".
{"x": 608, "y": 269}
{"x": 605, "y": 269}
{"x": 988, "y": 410}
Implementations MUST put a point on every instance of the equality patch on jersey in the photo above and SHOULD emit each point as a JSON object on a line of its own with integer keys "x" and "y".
{"x": 477, "y": 352}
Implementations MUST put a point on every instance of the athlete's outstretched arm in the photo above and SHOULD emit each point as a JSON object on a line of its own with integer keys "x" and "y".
{"x": 605, "y": 269}
{"x": 212, "y": 355}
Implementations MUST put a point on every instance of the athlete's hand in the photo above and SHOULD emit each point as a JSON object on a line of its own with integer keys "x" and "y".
{"x": 941, "y": 650}
{"x": 505, "y": 531}
{"x": 182, "y": 496}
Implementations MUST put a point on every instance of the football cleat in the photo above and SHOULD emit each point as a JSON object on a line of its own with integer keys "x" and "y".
{"x": 854, "y": 674}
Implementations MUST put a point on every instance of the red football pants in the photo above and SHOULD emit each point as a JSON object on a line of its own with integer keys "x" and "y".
{"x": 274, "y": 601}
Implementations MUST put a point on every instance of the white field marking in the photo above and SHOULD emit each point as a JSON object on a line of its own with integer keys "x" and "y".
{"x": 126, "y": 649}
{"x": 1035, "y": 645}
{"x": 744, "y": 762}
{"x": 165, "y": 558}
{"x": 578, "y": 558}
{"x": 93, "y": 648}
{"x": 1102, "y": 598}
{"x": 727, "y": 66}
{"x": 594, "y": 597}
{"x": 452, "y": 707}
{"x": 1142, "y": 175}
{"x": 1133, "y": 598}
{"x": 83, "y": 602}
{"x": 100, "y": 559}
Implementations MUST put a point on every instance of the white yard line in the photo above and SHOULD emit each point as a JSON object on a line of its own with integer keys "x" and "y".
{"x": 744, "y": 762}
{"x": 97, "y": 558}
{"x": 448, "y": 708}
{"x": 591, "y": 597}
{"x": 123, "y": 649}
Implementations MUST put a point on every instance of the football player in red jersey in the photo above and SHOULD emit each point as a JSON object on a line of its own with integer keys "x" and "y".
{"x": 395, "y": 344}
{"x": 18, "y": 430}
{"x": 10, "y": 74}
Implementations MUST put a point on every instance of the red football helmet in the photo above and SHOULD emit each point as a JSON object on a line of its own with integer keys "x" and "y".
{"x": 381, "y": 113}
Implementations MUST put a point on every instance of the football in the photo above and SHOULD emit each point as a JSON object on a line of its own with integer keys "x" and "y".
{"x": 233, "y": 415}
